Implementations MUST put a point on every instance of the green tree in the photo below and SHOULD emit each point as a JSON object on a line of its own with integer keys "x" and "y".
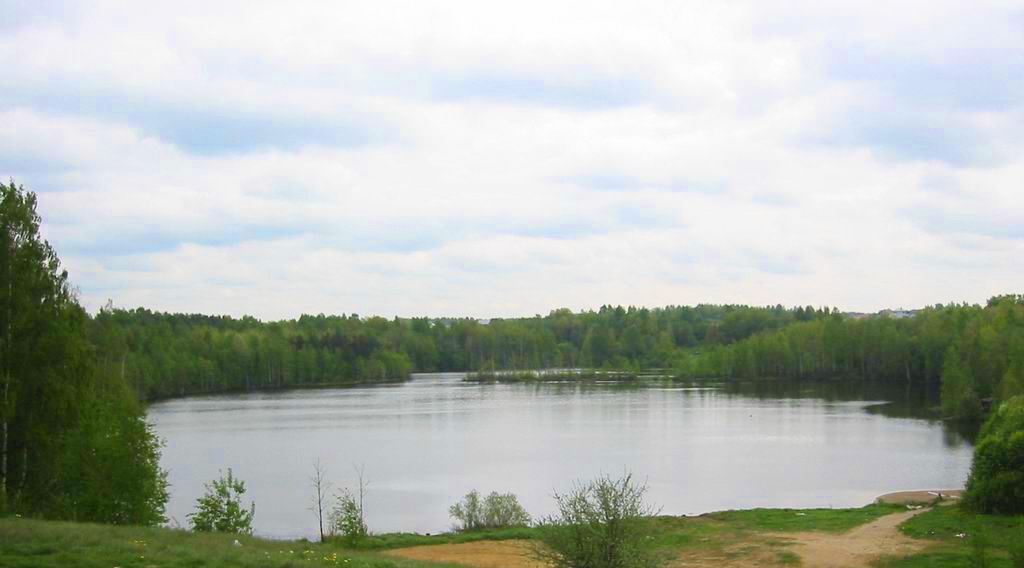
{"x": 110, "y": 470}
{"x": 959, "y": 399}
{"x": 1013, "y": 382}
{"x": 33, "y": 296}
{"x": 73, "y": 442}
{"x": 496, "y": 511}
{"x": 220, "y": 508}
{"x": 996, "y": 482}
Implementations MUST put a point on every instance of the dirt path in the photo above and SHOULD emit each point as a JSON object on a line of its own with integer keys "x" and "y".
{"x": 482, "y": 554}
{"x": 857, "y": 547}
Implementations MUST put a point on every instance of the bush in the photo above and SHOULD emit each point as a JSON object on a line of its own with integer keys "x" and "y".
{"x": 600, "y": 524}
{"x": 496, "y": 511}
{"x": 346, "y": 518}
{"x": 996, "y": 483}
{"x": 220, "y": 509}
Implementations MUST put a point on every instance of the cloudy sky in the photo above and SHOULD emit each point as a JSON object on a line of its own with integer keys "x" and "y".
{"x": 500, "y": 159}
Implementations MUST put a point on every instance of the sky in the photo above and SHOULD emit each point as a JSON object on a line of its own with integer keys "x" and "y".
{"x": 489, "y": 159}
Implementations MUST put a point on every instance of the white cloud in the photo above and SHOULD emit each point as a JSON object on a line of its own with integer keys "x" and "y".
{"x": 466, "y": 158}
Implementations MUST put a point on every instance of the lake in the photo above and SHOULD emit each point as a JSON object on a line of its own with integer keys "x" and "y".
{"x": 426, "y": 442}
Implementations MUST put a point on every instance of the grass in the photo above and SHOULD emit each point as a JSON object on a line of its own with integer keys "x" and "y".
{"x": 26, "y": 543}
{"x": 802, "y": 520}
{"x": 953, "y": 533}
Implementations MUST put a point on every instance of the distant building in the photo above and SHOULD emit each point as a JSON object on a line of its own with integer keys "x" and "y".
{"x": 894, "y": 314}
{"x": 897, "y": 314}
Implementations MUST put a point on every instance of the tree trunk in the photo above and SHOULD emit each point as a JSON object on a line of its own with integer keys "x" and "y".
{"x": 7, "y": 372}
{"x": 24, "y": 475}
{"x": 3, "y": 452}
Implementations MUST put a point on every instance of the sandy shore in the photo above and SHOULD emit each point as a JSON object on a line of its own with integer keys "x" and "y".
{"x": 923, "y": 496}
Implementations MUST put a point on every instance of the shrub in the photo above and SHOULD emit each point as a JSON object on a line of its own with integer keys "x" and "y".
{"x": 346, "y": 518}
{"x": 220, "y": 509}
{"x": 600, "y": 524}
{"x": 468, "y": 512}
{"x": 996, "y": 483}
{"x": 496, "y": 511}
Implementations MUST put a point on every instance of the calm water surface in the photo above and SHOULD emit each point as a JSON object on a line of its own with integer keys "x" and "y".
{"x": 427, "y": 442}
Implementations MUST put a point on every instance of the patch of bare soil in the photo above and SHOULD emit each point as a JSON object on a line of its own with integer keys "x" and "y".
{"x": 743, "y": 556}
{"x": 482, "y": 554}
{"x": 857, "y": 547}
{"x": 907, "y": 497}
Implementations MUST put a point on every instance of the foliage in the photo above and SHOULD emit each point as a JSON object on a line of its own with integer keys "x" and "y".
{"x": 959, "y": 398}
{"x": 496, "y": 511}
{"x": 220, "y": 508}
{"x": 996, "y": 482}
{"x": 110, "y": 470}
{"x": 73, "y": 442}
{"x": 174, "y": 354}
{"x": 346, "y": 519}
{"x": 600, "y": 525}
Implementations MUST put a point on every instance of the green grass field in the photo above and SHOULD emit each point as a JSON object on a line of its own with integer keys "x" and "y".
{"x": 42, "y": 544}
{"x": 957, "y": 536}
{"x": 951, "y": 534}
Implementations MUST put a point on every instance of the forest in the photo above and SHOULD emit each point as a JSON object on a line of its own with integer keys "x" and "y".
{"x": 175, "y": 354}
{"x": 975, "y": 353}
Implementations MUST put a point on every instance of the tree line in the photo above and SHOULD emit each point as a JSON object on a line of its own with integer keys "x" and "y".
{"x": 975, "y": 352}
{"x": 163, "y": 354}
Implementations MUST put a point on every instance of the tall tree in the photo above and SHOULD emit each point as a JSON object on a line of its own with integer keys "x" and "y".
{"x": 73, "y": 441}
{"x": 34, "y": 298}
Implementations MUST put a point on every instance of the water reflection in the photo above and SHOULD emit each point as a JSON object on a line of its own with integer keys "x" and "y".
{"x": 885, "y": 399}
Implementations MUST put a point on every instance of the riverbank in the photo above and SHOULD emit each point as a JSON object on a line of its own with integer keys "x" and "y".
{"x": 881, "y": 534}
